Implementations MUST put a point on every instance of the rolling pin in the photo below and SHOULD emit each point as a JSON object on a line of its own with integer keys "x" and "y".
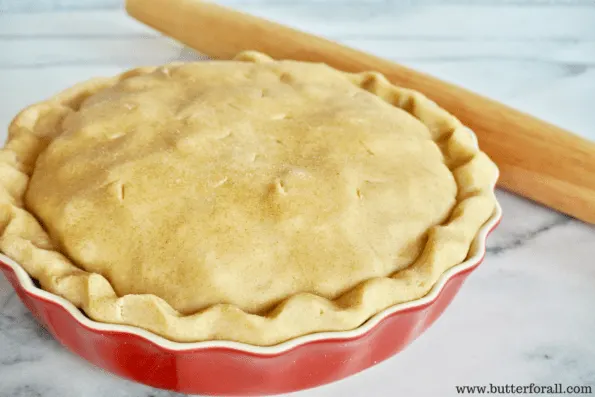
{"x": 537, "y": 160}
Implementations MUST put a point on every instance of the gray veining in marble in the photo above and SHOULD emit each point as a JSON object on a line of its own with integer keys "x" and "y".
{"x": 526, "y": 315}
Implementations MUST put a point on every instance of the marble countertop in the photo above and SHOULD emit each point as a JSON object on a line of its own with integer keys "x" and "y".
{"x": 525, "y": 316}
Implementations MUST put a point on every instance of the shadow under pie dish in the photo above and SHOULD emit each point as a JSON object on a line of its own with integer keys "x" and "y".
{"x": 255, "y": 216}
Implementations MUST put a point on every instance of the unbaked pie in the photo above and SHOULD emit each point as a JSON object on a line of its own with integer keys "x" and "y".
{"x": 250, "y": 200}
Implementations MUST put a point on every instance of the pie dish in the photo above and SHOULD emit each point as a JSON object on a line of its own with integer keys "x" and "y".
{"x": 321, "y": 146}
{"x": 252, "y": 201}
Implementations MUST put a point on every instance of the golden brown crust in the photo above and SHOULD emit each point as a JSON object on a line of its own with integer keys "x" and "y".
{"x": 24, "y": 239}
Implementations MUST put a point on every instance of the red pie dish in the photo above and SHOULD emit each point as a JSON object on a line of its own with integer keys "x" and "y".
{"x": 246, "y": 227}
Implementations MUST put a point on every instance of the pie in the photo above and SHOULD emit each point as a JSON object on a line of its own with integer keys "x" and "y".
{"x": 250, "y": 200}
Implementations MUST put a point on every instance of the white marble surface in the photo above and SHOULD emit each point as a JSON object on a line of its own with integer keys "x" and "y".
{"x": 526, "y": 315}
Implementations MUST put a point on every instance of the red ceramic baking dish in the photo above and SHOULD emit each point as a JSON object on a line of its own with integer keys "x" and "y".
{"x": 230, "y": 368}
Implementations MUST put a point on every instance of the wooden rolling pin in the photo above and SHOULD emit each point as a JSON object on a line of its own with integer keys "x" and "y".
{"x": 537, "y": 160}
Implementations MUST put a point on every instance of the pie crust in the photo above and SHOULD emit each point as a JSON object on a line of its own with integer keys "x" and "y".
{"x": 251, "y": 200}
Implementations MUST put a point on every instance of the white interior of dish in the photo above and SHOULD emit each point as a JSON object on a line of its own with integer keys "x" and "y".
{"x": 476, "y": 253}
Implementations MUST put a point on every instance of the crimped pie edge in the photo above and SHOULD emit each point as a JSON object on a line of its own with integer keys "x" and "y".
{"x": 24, "y": 240}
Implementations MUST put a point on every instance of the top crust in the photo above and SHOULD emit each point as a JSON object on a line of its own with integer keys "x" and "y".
{"x": 253, "y": 201}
